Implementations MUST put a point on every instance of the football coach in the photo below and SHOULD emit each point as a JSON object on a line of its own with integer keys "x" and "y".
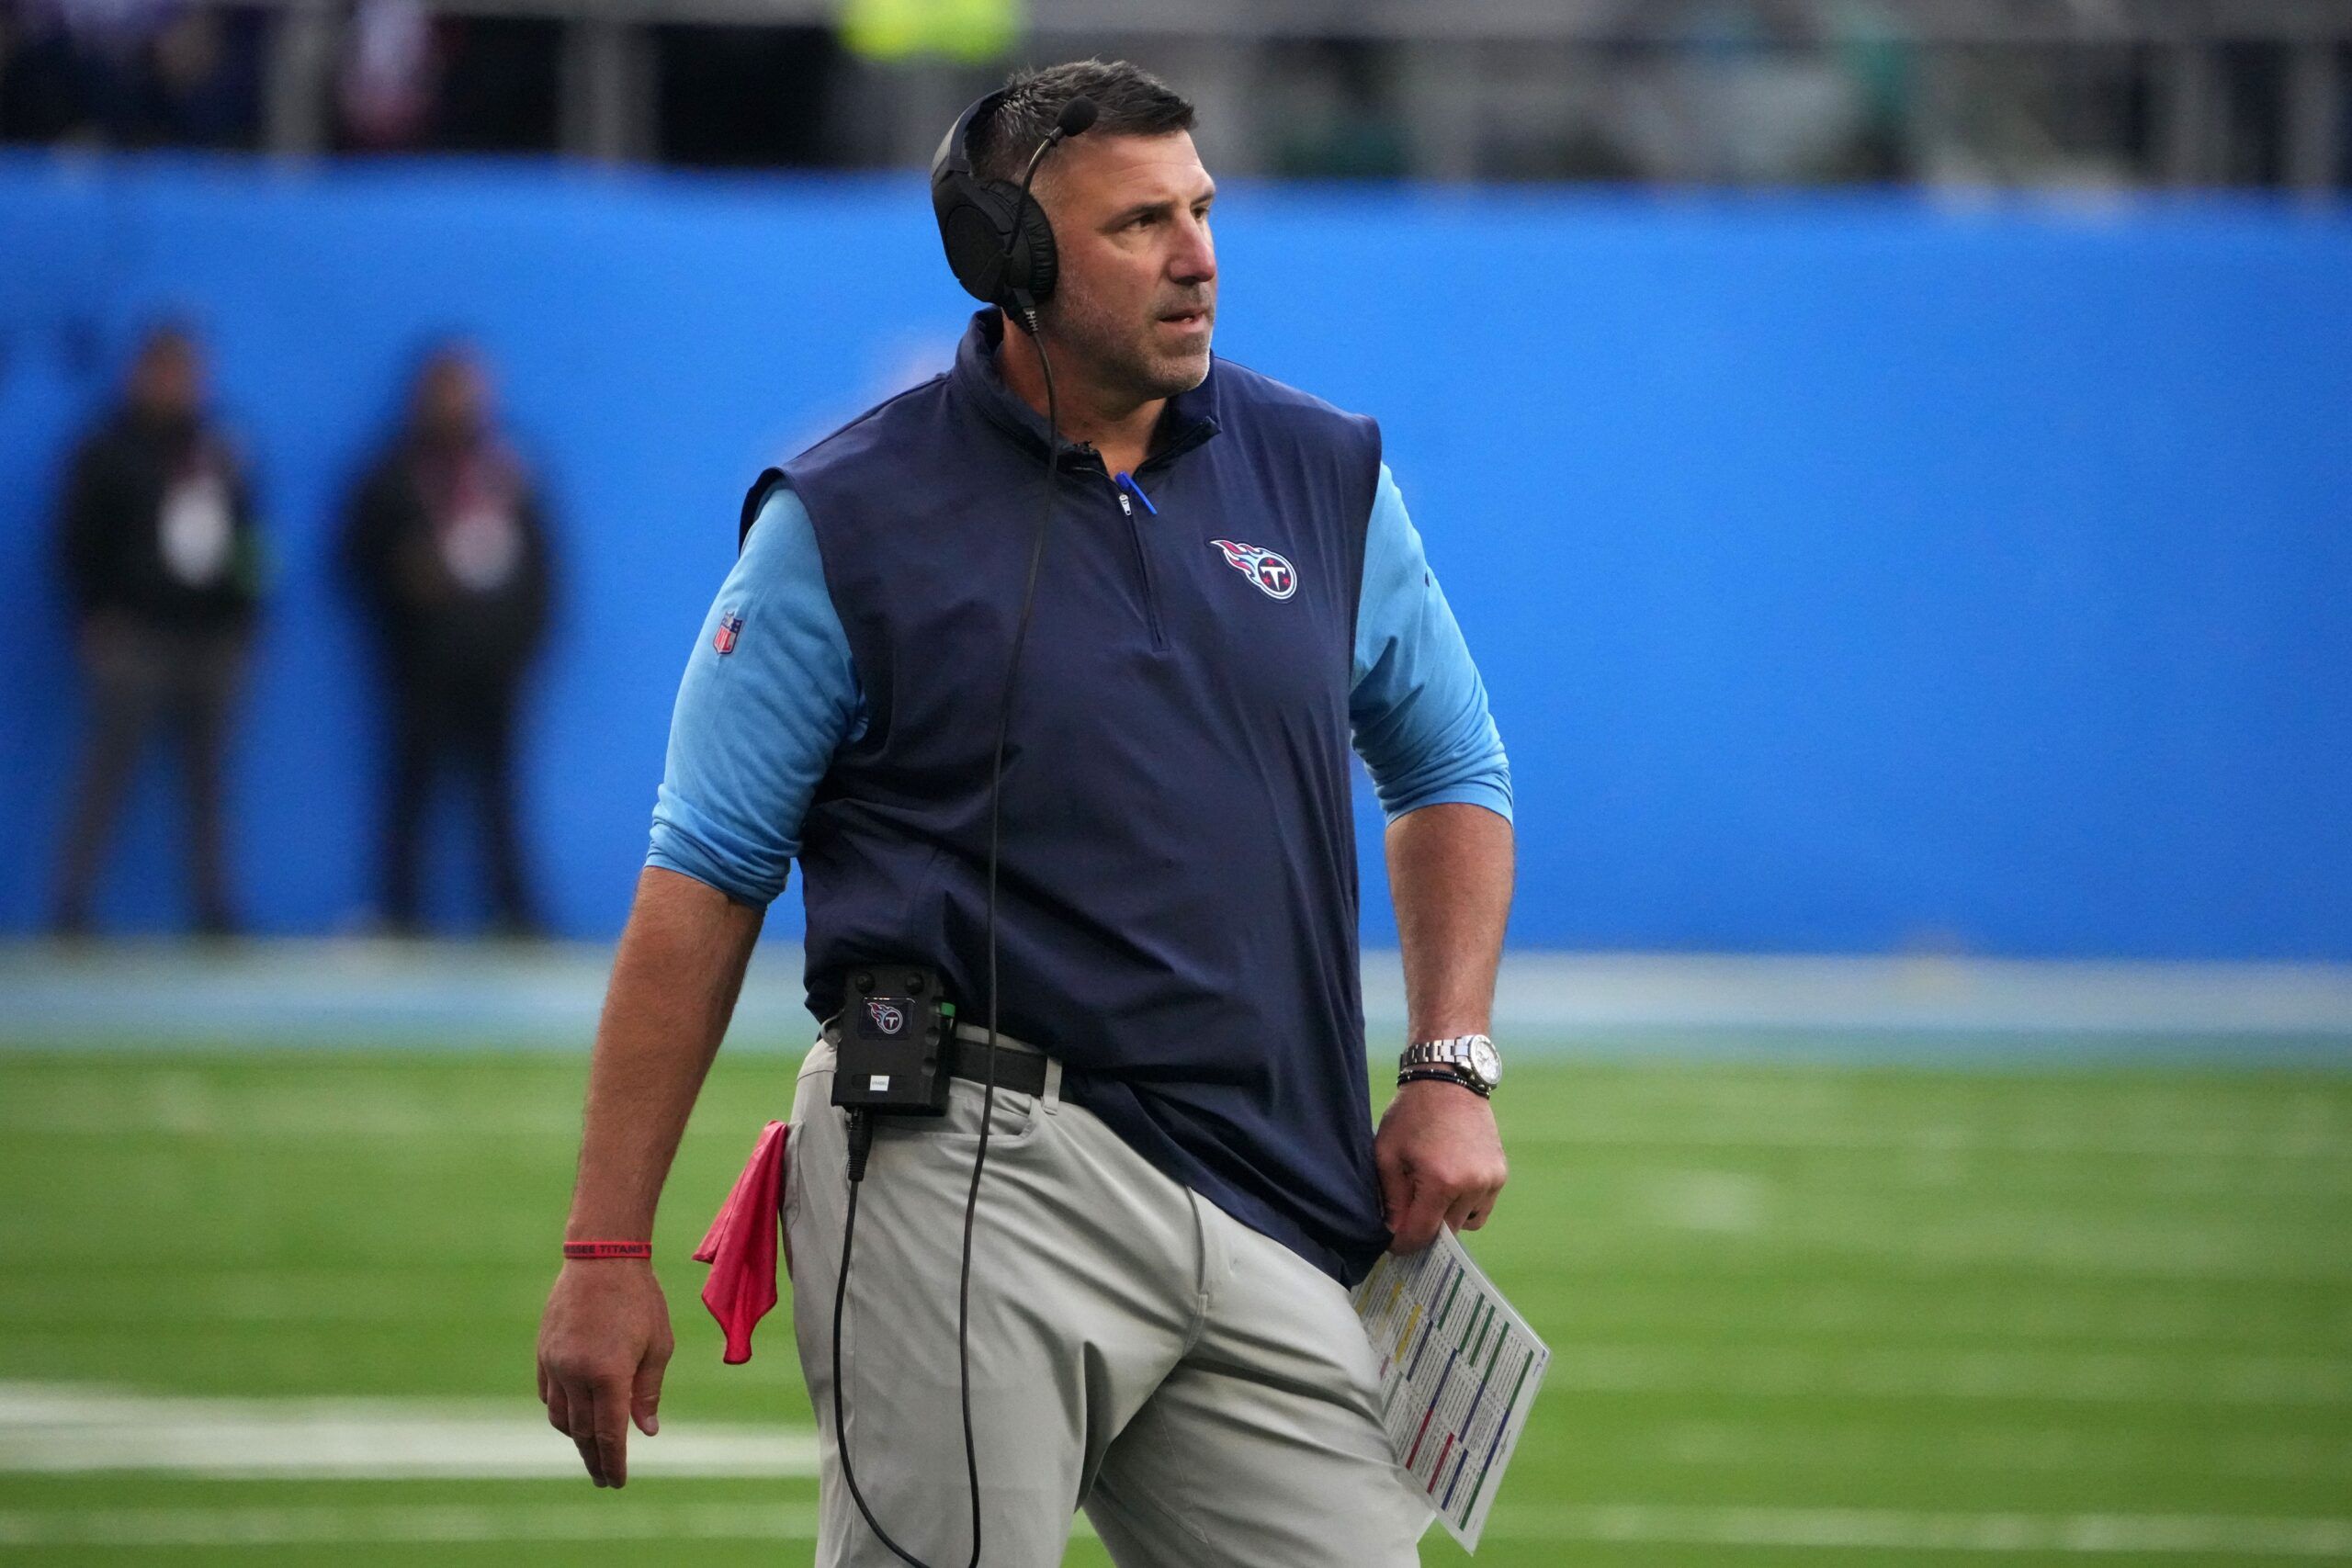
{"x": 1109, "y": 773}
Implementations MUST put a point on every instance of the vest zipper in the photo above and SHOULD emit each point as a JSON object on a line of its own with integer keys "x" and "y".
{"x": 1122, "y": 486}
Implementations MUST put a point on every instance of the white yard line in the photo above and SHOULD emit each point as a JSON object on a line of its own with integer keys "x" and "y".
{"x": 54, "y": 1429}
{"x": 63, "y": 1429}
{"x": 619, "y": 1517}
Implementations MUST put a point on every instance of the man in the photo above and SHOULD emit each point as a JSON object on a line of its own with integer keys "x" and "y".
{"x": 446, "y": 548}
{"x": 1159, "y": 1328}
{"x": 163, "y": 561}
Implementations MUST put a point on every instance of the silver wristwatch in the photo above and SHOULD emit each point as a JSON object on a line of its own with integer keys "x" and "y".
{"x": 1471, "y": 1058}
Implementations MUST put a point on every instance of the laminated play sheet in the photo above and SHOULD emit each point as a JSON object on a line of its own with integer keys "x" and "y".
{"x": 1458, "y": 1374}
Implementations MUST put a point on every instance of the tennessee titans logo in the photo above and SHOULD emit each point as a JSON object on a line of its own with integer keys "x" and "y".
{"x": 1271, "y": 572}
{"x": 729, "y": 623}
{"x": 886, "y": 1017}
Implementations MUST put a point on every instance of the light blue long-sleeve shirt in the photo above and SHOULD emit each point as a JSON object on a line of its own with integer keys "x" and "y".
{"x": 755, "y": 727}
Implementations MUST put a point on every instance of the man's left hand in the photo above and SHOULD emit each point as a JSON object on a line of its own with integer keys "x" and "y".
{"x": 1440, "y": 1161}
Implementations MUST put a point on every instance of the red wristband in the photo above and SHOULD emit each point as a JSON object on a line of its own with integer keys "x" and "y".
{"x": 608, "y": 1249}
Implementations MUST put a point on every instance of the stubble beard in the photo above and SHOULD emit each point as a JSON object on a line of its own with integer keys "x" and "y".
{"x": 1121, "y": 354}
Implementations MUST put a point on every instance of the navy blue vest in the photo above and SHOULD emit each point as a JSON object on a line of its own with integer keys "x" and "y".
{"x": 1177, "y": 903}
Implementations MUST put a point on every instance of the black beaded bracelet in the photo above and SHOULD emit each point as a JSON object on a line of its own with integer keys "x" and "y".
{"x": 1439, "y": 1074}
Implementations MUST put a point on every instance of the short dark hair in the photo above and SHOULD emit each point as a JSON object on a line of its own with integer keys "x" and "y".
{"x": 1128, "y": 101}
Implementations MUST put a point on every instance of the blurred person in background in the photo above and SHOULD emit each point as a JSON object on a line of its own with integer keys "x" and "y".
{"x": 197, "y": 84}
{"x": 40, "y": 98}
{"x": 446, "y": 546}
{"x": 129, "y": 74}
{"x": 390, "y": 76}
{"x": 162, "y": 561}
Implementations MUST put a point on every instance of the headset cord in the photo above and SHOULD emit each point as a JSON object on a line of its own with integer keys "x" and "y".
{"x": 861, "y": 1125}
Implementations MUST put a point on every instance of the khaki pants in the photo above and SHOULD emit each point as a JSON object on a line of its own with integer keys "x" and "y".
{"x": 1203, "y": 1393}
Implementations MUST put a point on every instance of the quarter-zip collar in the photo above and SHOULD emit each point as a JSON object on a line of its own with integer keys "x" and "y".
{"x": 1189, "y": 419}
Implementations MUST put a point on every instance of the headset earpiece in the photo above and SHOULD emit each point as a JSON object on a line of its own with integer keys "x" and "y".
{"x": 999, "y": 247}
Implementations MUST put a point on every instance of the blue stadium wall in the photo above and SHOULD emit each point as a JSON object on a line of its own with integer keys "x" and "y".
{"x": 1850, "y": 574}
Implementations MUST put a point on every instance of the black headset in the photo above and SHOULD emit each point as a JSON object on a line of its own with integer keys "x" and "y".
{"x": 999, "y": 243}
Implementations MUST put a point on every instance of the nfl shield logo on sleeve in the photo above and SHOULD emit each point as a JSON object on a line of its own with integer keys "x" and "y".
{"x": 729, "y": 623}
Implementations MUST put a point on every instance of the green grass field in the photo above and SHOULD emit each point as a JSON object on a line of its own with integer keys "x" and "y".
{"x": 1799, "y": 1313}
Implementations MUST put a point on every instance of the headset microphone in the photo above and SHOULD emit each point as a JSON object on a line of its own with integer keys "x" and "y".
{"x": 1076, "y": 116}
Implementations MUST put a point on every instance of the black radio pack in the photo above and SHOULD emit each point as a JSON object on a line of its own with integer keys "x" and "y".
{"x": 894, "y": 1029}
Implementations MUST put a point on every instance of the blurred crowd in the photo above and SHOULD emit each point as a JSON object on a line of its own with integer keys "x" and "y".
{"x": 446, "y": 555}
{"x": 1735, "y": 92}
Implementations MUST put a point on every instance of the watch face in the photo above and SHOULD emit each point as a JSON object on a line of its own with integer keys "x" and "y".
{"x": 1485, "y": 1061}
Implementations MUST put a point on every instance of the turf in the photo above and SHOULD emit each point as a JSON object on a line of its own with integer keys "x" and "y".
{"x": 1895, "y": 1306}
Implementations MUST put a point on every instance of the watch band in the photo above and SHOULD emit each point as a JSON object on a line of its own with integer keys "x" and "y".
{"x": 1444, "y": 1074}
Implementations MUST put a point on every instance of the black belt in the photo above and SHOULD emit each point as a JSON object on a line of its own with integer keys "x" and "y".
{"x": 1018, "y": 1070}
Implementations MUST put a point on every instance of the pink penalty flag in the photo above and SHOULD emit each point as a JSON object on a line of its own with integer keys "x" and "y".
{"x": 741, "y": 1246}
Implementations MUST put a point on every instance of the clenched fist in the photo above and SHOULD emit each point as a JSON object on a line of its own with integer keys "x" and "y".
{"x": 1440, "y": 1161}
